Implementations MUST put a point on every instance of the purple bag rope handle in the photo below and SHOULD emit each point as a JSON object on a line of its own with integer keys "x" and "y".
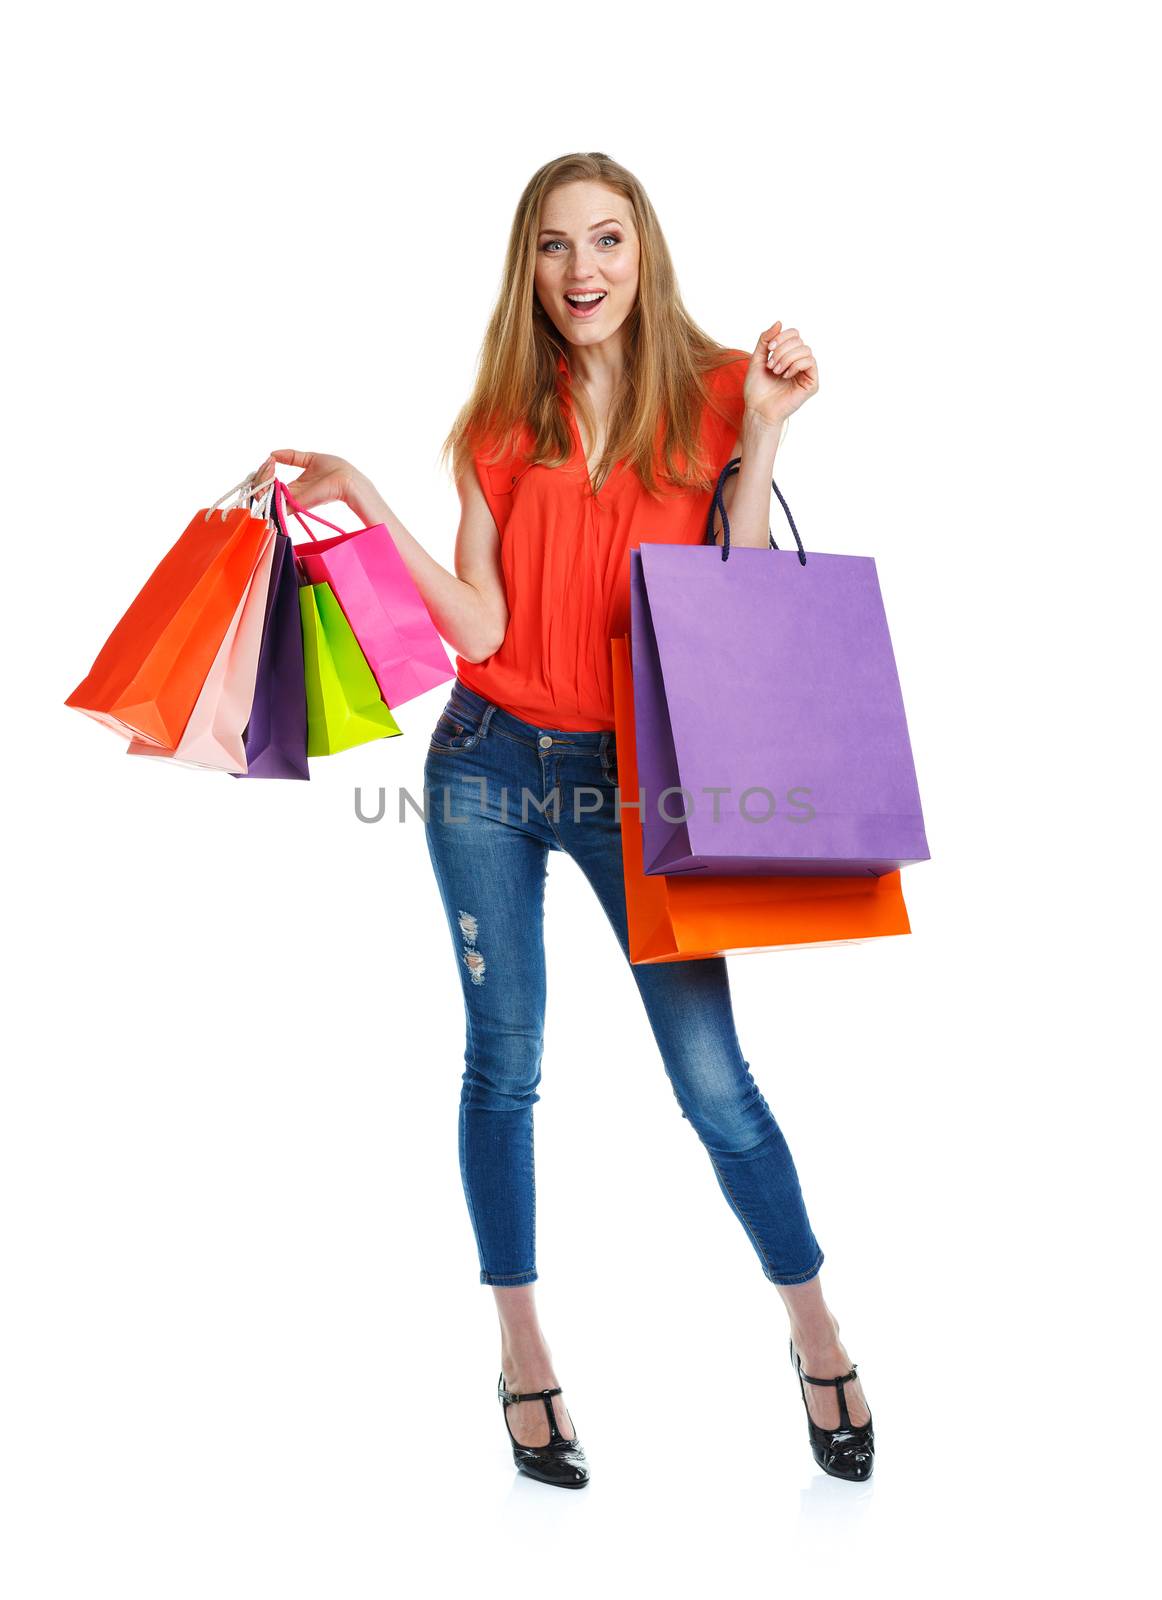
{"x": 718, "y": 504}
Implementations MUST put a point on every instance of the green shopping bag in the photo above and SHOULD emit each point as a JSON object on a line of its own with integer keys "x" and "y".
{"x": 344, "y": 705}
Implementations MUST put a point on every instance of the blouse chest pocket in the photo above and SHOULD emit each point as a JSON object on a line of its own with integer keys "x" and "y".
{"x": 503, "y": 478}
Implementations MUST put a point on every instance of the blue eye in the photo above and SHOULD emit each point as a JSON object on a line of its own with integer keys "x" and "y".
{"x": 547, "y": 248}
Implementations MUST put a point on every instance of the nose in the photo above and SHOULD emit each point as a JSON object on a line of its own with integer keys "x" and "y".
{"x": 585, "y": 262}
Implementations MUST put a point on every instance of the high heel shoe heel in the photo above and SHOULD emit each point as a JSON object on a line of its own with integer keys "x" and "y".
{"x": 562, "y": 1461}
{"x": 843, "y": 1452}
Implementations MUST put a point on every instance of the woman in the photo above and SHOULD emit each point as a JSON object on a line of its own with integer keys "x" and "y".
{"x": 601, "y": 416}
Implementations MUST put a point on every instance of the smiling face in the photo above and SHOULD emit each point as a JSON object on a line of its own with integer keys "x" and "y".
{"x": 587, "y": 247}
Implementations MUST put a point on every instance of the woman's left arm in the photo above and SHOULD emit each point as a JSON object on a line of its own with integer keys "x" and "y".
{"x": 782, "y": 374}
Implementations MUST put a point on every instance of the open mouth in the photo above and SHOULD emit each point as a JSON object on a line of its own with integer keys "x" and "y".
{"x": 584, "y": 305}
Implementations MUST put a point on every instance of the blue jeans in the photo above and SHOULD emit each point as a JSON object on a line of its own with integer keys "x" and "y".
{"x": 499, "y": 795}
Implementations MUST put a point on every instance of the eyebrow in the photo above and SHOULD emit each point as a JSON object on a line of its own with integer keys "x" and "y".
{"x": 603, "y": 223}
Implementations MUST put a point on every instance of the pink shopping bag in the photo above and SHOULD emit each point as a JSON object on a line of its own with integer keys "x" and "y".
{"x": 380, "y": 601}
{"x": 213, "y": 734}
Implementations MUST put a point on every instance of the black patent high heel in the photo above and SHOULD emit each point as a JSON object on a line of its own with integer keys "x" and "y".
{"x": 843, "y": 1452}
{"x": 562, "y": 1461}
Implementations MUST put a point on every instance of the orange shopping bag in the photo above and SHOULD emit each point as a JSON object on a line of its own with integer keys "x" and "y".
{"x": 151, "y": 669}
{"x": 213, "y": 734}
{"x": 684, "y": 917}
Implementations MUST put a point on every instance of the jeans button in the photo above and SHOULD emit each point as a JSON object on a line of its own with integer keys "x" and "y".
{"x": 544, "y": 741}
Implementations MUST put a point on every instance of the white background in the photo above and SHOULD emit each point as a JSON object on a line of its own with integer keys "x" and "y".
{"x": 246, "y": 1352}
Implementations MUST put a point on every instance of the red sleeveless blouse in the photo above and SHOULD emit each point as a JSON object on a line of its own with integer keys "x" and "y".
{"x": 564, "y": 554}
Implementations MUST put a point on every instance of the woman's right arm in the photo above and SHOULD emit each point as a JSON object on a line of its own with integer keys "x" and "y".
{"x": 468, "y": 607}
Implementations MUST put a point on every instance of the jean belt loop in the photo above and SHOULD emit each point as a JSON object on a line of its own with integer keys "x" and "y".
{"x": 486, "y": 719}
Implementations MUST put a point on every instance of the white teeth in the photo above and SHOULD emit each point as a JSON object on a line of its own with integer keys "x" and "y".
{"x": 585, "y": 299}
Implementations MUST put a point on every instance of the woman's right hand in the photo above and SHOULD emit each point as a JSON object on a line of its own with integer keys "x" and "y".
{"x": 469, "y": 606}
{"x": 324, "y": 480}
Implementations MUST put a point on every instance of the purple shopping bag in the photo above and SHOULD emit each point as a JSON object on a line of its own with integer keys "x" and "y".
{"x": 770, "y": 726}
{"x": 275, "y": 740}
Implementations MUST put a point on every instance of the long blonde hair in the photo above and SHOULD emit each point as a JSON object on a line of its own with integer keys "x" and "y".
{"x": 667, "y": 355}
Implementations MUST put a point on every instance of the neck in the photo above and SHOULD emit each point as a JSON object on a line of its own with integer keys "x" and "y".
{"x": 598, "y": 366}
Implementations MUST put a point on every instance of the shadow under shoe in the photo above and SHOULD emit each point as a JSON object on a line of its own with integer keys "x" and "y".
{"x": 843, "y": 1452}
{"x": 562, "y": 1461}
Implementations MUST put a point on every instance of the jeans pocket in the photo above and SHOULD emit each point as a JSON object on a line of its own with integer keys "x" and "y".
{"x": 455, "y": 730}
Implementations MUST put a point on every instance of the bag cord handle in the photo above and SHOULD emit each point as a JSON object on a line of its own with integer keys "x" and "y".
{"x": 247, "y": 490}
{"x": 286, "y": 499}
{"x": 718, "y": 504}
{"x": 262, "y": 499}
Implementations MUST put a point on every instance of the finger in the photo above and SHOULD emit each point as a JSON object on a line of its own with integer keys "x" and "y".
{"x": 803, "y": 365}
{"x": 312, "y": 491}
{"x": 767, "y": 336}
{"x": 306, "y": 492}
{"x": 788, "y": 337}
{"x": 789, "y": 353}
{"x": 292, "y": 458}
{"x": 781, "y": 351}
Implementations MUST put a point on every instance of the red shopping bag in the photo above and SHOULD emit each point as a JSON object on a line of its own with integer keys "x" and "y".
{"x": 149, "y": 672}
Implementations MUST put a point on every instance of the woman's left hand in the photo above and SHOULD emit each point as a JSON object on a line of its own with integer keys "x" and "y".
{"x": 782, "y": 374}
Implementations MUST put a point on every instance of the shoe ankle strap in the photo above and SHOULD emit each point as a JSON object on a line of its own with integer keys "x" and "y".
{"x": 836, "y": 1384}
{"x": 846, "y": 1378}
{"x": 512, "y": 1398}
{"x": 545, "y": 1396}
